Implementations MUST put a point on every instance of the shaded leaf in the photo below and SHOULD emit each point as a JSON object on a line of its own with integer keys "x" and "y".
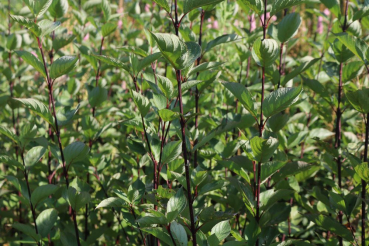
{"x": 176, "y": 205}
{"x": 46, "y": 220}
{"x": 62, "y": 66}
{"x": 280, "y": 99}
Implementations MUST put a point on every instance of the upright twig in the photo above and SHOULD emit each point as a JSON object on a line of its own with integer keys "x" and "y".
{"x": 363, "y": 182}
{"x": 261, "y": 124}
{"x": 90, "y": 142}
{"x": 338, "y": 129}
{"x": 138, "y": 225}
{"x": 197, "y": 93}
{"x": 280, "y": 67}
{"x": 50, "y": 131}
{"x": 183, "y": 130}
{"x": 98, "y": 72}
{"x": 11, "y": 82}
{"x": 57, "y": 132}
{"x": 29, "y": 194}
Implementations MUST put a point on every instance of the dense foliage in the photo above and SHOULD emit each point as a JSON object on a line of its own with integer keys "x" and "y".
{"x": 189, "y": 122}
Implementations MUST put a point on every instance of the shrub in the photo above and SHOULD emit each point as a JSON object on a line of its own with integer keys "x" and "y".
{"x": 194, "y": 122}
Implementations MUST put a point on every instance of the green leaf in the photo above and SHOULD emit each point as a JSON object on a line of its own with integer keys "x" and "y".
{"x": 333, "y": 6}
{"x": 75, "y": 152}
{"x": 211, "y": 186}
{"x": 77, "y": 199}
{"x": 363, "y": 12}
{"x": 33, "y": 61}
{"x": 263, "y": 149}
{"x": 164, "y": 4}
{"x": 134, "y": 49}
{"x": 193, "y": 52}
{"x": 34, "y": 155}
{"x": 243, "y": 96}
{"x": 46, "y": 220}
{"x": 32, "y": 26}
{"x": 217, "y": 131}
{"x": 89, "y": 56}
{"x": 90, "y": 4}
{"x": 97, "y": 96}
{"x": 278, "y": 121}
{"x": 189, "y": 5}
{"x": 351, "y": 202}
{"x": 39, "y": 7}
{"x": 355, "y": 45}
{"x": 113, "y": 62}
{"x": 198, "y": 176}
{"x": 180, "y": 54}
{"x": 58, "y": 8}
{"x": 148, "y": 60}
{"x": 172, "y": 48}
{"x": 291, "y": 168}
{"x": 269, "y": 197}
{"x": 10, "y": 161}
{"x": 64, "y": 118}
{"x": 42, "y": 192}
{"x": 112, "y": 202}
{"x": 62, "y": 40}
{"x": 336, "y": 201}
{"x": 136, "y": 191}
{"x": 279, "y": 5}
{"x": 331, "y": 225}
{"x": 48, "y": 26}
{"x": 9, "y": 133}
{"x": 105, "y": 5}
{"x": 28, "y": 230}
{"x": 265, "y": 52}
{"x": 168, "y": 115}
{"x": 219, "y": 232}
{"x": 363, "y": 171}
{"x": 226, "y": 38}
{"x": 280, "y": 99}
{"x": 351, "y": 70}
{"x": 204, "y": 67}
{"x": 256, "y": 5}
{"x": 62, "y": 66}
{"x": 287, "y": 28}
{"x": 253, "y": 231}
{"x": 154, "y": 217}
{"x": 359, "y": 99}
{"x": 159, "y": 233}
{"x": 341, "y": 52}
{"x": 269, "y": 168}
{"x": 142, "y": 103}
{"x": 165, "y": 85}
{"x": 13, "y": 41}
{"x": 188, "y": 85}
{"x": 171, "y": 151}
{"x": 295, "y": 72}
{"x": 176, "y": 205}
{"x": 179, "y": 234}
{"x": 108, "y": 28}
{"x": 37, "y": 107}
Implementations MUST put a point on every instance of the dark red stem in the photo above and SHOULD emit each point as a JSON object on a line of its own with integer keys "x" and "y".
{"x": 261, "y": 126}
{"x": 98, "y": 73}
{"x": 197, "y": 93}
{"x": 183, "y": 130}
{"x": 29, "y": 195}
{"x": 57, "y": 132}
{"x": 363, "y": 183}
